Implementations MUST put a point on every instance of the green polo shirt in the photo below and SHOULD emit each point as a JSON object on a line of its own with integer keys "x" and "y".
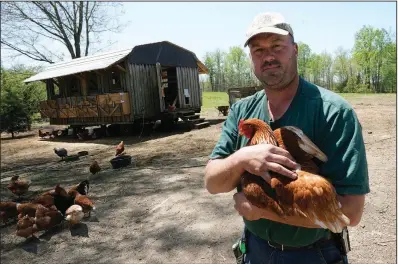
{"x": 331, "y": 123}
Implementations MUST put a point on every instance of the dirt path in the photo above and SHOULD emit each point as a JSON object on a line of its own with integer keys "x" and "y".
{"x": 157, "y": 210}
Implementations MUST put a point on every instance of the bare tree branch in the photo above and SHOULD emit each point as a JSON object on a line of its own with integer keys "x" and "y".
{"x": 28, "y": 27}
{"x": 68, "y": 16}
{"x": 30, "y": 55}
{"x": 62, "y": 30}
{"x": 87, "y": 19}
{"x": 37, "y": 23}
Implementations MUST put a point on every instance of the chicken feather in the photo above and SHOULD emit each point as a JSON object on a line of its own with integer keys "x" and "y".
{"x": 310, "y": 195}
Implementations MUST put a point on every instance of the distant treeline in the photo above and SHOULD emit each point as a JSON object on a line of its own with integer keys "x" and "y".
{"x": 370, "y": 66}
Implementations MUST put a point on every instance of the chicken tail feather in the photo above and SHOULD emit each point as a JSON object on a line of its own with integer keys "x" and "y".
{"x": 336, "y": 225}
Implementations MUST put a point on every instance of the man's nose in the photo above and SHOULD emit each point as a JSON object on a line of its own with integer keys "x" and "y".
{"x": 268, "y": 56}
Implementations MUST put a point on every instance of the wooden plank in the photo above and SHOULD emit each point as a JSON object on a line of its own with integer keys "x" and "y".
{"x": 120, "y": 68}
{"x": 83, "y": 80}
{"x": 114, "y": 110}
{"x": 202, "y": 125}
{"x": 180, "y": 87}
{"x": 125, "y": 102}
{"x": 44, "y": 114}
{"x": 79, "y": 76}
{"x": 71, "y": 112}
{"x": 63, "y": 113}
{"x": 159, "y": 76}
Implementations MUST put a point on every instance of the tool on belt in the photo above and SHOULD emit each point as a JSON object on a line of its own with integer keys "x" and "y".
{"x": 342, "y": 241}
{"x": 239, "y": 247}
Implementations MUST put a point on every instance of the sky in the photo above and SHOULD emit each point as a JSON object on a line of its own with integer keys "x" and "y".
{"x": 205, "y": 26}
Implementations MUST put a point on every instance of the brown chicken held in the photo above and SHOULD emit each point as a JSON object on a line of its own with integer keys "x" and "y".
{"x": 310, "y": 195}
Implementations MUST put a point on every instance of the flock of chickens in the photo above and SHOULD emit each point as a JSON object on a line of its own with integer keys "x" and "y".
{"x": 310, "y": 195}
{"x": 51, "y": 208}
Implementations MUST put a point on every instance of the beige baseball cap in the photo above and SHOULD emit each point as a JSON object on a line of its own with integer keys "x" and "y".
{"x": 268, "y": 22}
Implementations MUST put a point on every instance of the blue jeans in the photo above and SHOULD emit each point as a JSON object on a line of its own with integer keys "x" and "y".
{"x": 258, "y": 251}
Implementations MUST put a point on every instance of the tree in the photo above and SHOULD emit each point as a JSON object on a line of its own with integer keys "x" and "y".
{"x": 229, "y": 69}
{"x": 25, "y": 96}
{"x": 219, "y": 60}
{"x": 12, "y": 112}
{"x": 373, "y": 52}
{"x": 326, "y": 69}
{"x": 235, "y": 65}
{"x": 209, "y": 62}
{"x": 75, "y": 25}
{"x": 341, "y": 68}
{"x": 389, "y": 69}
{"x": 304, "y": 54}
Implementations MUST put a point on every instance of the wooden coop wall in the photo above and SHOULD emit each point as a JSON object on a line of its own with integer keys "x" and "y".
{"x": 188, "y": 78}
{"x": 85, "y": 110}
{"x": 142, "y": 84}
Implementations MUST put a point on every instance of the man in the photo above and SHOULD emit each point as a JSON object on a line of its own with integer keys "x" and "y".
{"x": 325, "y": 117}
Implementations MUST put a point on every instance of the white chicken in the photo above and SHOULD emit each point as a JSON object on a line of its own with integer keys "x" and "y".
{"x": 74, "y": 214}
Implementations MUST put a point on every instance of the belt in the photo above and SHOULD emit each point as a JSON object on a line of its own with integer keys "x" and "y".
{"x": 283, "y": 247}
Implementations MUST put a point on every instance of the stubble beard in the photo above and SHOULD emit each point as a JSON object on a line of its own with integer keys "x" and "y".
{"x": 278, "y": 81}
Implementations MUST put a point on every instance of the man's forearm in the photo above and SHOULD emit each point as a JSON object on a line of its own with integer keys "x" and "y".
{"x": 352, "y": 207}
{"x": 222, "y": 175}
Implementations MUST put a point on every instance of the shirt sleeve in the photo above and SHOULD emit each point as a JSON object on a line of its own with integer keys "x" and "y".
{"x": 344, "y": 145}
{"x": 229, "y": 135}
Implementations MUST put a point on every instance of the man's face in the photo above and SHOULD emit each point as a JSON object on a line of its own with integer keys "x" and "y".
{"x": 274, "y": 59}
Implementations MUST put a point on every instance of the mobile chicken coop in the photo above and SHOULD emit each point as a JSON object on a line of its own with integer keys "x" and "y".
{"x": 156, "y": 81}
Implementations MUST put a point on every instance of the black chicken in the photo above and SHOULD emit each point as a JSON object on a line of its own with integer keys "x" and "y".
{"x": 61, "y": 152}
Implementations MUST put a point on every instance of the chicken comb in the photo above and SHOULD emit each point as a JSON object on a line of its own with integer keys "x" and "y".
{"x": 241, "y": 123}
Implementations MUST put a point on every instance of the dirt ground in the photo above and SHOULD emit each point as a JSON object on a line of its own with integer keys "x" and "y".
{"x": 157, "y": 210}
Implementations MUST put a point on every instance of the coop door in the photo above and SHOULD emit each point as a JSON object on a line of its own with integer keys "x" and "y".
{"x": 187, "y": 96}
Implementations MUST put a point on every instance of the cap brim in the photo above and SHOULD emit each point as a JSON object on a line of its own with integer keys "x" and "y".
{"x": 266, "y": 30}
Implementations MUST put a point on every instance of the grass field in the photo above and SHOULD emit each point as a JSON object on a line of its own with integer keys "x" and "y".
{"x": 214, "y": 99}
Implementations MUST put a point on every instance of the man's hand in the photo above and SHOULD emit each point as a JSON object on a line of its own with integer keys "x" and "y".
{"x": 245, "y": 208}
{"x": 223, "y": 175}
{"x": 260, "y": 159}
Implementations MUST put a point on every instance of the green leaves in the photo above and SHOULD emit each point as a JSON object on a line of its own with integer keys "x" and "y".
{"x": 228, "y": 69}
{"x": 19, "y": 101}
{"x": 375, "y": 54}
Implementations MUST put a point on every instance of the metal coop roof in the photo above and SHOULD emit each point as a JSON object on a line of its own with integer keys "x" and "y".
{"x": 165, "y": 52}
{"x": 88, "y": 63}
